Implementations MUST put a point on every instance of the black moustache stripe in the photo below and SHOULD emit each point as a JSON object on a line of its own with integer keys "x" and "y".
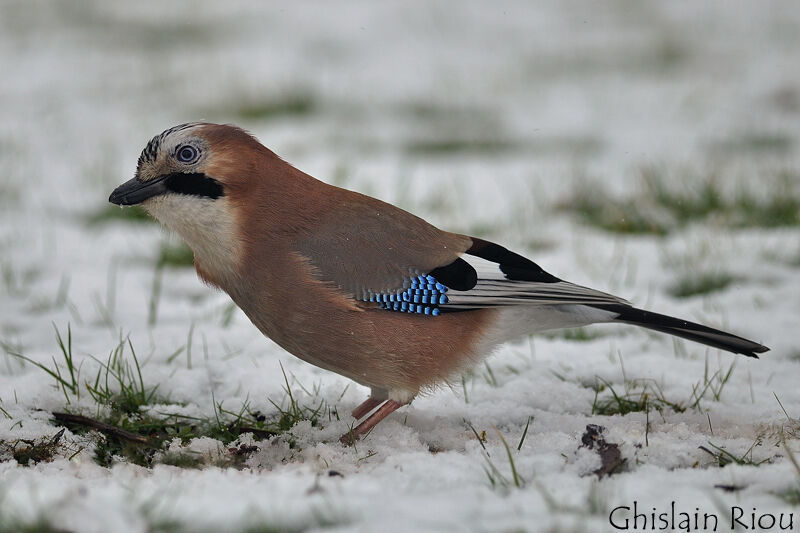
{"x": 196, "y": 184}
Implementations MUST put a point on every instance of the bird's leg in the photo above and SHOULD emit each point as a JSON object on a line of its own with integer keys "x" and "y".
{"x": 388, "y": 407}
{"x": 368, "y": 405}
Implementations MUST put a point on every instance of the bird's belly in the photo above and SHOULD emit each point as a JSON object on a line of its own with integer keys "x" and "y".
{"x": 375, "y": 347}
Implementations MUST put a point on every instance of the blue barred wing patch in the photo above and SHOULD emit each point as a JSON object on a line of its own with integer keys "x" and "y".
{"x": 421, "y": 295}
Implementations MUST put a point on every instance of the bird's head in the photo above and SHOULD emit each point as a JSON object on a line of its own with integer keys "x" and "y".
{"x": 192, "y": 178}
{"x": 179, "y": 164}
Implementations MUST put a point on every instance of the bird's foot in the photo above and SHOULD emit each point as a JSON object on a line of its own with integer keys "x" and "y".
{"x": 388, "y": 407}
{"x": 368, "y": 405}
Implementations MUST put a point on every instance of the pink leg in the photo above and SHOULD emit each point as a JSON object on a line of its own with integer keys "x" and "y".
{"x": 388, "y": 407}
{"x": 368, "y": 405}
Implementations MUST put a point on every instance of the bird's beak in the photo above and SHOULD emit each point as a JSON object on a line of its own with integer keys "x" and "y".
{"x": 134, "y": 192}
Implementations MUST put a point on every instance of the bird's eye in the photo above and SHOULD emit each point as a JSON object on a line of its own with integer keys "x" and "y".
{"x": 187, "y": 154}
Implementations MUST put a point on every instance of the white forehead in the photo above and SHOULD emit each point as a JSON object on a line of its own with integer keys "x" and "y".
{"x": 167, "y": 140}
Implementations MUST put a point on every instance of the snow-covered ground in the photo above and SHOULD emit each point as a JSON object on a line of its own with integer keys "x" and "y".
{"x": 487, "y": 118}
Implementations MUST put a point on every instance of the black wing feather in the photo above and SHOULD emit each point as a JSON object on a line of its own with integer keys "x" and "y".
{"x": 513, "y": 265}
{"x": 685, "y": 329}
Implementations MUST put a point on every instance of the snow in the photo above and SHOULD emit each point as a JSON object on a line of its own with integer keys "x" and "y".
{"x": 572, "y": 94}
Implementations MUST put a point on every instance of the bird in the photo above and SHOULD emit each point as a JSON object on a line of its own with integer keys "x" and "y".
{"x": 355, "y": 285}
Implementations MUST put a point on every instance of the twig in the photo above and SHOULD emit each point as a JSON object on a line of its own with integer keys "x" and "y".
{"x": 102, "y": 427}
{"x": 260, "y": 433}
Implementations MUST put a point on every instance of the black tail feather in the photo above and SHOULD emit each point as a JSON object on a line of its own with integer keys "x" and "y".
{"x": 685, "y": 329}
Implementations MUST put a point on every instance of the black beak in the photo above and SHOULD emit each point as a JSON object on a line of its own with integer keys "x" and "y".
{"x": 134, "y": 192}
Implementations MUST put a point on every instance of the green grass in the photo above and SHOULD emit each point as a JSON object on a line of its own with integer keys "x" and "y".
{"x": 497, "y": 479}
{"x": 697, "y": 284}
{"x": 759, "y": 142}
{"x": 645, "y": 395}
{"x": 713, "y": 384}
{"x": 177, "y": 255}
{"x": 574, "y": 334}
{"x": 445, "y": 115}
{"x": 173, "y": 255}
{"x": 487, "y": 373}
{"x": 516, "y": 477}
{"x": 119, "y": 384}
{"x": 662, "y": 205}
{"x": 294, "y": 104}
{"x": 290, "y": 411}
{"x": 17, "y": 281}
{"x": 112, "y": 213}
{"x": 182, "y": 459}
{"x": 320, "y": 519}
{"x": 67, "y": 380}
{"x": 9, "y": 192}
{"x": 791, "y": 495}
{"x": 723, "y": 457}
{"x": 638, "y": 396}
{"x": 125, "y": 426}
{"x": 169, "y": 254}
{"x": 461, "y": 145}
{"x": 40, "y": 525}
{"x": 481, "y": 143}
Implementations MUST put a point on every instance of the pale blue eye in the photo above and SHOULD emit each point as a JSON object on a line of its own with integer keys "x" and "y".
{"x": 187, "y": 154}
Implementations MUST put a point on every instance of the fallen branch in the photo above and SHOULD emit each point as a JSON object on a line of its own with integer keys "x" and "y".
{"x": 260, "y": 433}
{"x": 102, "y": 427}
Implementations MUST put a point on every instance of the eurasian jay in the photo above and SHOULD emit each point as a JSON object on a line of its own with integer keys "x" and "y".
{"x": 355, "y": 285}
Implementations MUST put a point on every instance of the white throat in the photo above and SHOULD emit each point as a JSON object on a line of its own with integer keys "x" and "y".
{"x": 206, "y": 225}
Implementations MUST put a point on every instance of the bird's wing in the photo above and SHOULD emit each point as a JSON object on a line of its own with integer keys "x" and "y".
{"x": 376, "y": 252}
{"x": 505, "y": 278}
{"x": 366, "y": 247}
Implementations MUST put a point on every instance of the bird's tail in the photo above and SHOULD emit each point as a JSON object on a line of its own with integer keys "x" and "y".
{"x": 685, "y": 329}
